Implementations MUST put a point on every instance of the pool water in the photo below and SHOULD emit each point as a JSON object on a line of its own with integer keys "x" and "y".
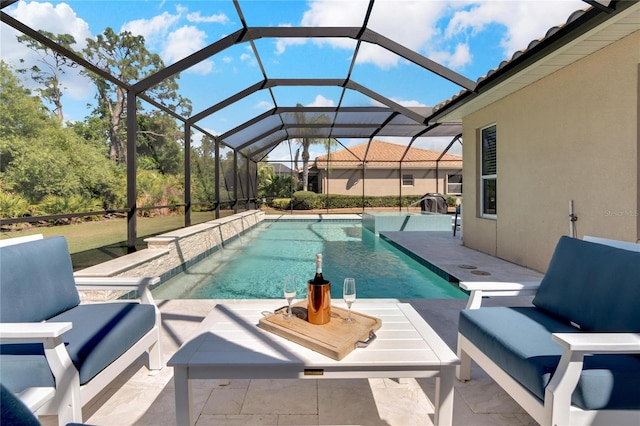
{"x": 253, "y": 266}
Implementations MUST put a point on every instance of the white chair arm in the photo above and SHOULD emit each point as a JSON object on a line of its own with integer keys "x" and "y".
{"x": 557, "y": 398}
{"x": 24, "y": 332}
{"x": 50, "y": 335}
{"x": 599, "y": 343}
{"x": 495, "y": 288}
{"x": 120, "y": 283}
{"x": 36, "y": 397}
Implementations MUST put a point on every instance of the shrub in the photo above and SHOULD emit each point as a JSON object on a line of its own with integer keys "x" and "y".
{"x": 12, "y": 205}
{"x": 52, "y": 205}
{"x": 306, "y": 200}
{"x": 281, "y": 203}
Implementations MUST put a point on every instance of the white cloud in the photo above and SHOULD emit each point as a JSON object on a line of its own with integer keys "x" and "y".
{"x": 263, "y": 105}
{"x": 415, "y": 24}
{"x": 219, "y": 18}
{"x": 181, "y": 43}
{"x": 248, "y": 58}
{"x": 153, "y": 30}
{"x": 283, "y": 43}
{"x": 456, "y": 60}
{"x": 403, "y": 102}
{"x": 321, "y": 101}
{"x": 524, "y": 20}
{"x": 58, "y": 19}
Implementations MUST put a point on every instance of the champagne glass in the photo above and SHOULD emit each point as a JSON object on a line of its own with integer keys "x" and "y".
{"x": 289, "y": 293}
{"x": 349, "y": 295}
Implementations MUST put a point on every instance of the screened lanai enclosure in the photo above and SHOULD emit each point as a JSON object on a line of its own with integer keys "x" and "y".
{"x": 227, "y": 103}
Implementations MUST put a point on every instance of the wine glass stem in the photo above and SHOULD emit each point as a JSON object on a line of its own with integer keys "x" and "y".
{"x": 289, "y": 315}
{"x": 349, "y": 313}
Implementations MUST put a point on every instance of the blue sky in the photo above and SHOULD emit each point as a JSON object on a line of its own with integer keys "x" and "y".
{"x": 470, "y": 37}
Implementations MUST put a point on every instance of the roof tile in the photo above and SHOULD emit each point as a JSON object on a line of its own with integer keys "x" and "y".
{"x": 382, "y": 153}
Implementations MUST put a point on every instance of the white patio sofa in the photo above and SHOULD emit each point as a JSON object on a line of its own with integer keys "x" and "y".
{"x": 572, "y": 357}
{"x": 55, "y": 353}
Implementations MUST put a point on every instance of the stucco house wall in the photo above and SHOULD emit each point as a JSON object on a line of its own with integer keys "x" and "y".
{"x": 383, "y": 181}
{"x": 573, "y": 135}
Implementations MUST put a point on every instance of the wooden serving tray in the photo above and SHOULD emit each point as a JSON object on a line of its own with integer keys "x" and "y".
{"x": 334, "y": 339}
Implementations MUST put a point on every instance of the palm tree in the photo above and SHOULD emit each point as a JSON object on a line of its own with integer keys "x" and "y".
{"x": 306, "y": 142}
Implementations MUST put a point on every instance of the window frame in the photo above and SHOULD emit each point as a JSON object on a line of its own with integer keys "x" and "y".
{"x": 449, "y": 176}
{"x": 485, "y": 177}
{"x": 404, "y": 178}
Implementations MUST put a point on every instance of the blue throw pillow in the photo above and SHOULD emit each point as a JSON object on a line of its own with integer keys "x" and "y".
{"x": 597, "y": 287}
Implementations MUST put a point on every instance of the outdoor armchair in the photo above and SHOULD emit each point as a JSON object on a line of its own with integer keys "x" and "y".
{"x": 56, "y": 353}
{"x": 572, "y": 357}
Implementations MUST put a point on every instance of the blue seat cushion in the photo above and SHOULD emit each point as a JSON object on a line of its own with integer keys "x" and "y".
{"x": 593, "y": 285}
{"x": 13, "y": 411}
{"x": 518, "y": 339}
{"x": 101, "y": 333}
{"x": 36, "y": 280}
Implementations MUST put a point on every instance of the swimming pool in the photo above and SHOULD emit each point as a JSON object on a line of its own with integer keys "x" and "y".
{"x": 253, "y": 266}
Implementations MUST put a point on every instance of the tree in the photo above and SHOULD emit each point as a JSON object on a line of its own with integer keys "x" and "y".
{"x": 203, "y": 170}
{"x": 158, "y": 145}
{"x": 125, "y": 57}
{"x": 54, "y": 67}
{"x": 40, "y": 158}
{"x": 23, "y": 115}
{"x": 302, "y": 118}
{"x": 265, "y": 175}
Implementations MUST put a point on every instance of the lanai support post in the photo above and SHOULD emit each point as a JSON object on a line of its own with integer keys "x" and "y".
{"x": 400, "y": 187}
{"x": 132, "y": 160}
{"x": 187, "y": 175}
{"x": 217, "y": 177}
{"x": 248, "y": 191}
{"x": 235, "y": 181}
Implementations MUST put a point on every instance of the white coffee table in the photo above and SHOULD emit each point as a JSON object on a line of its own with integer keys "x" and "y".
{"x": 229, "y": 345}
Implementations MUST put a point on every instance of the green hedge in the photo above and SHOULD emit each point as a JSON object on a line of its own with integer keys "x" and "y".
{"x": 281, "y": 203}
{"x": 306, "y": 200}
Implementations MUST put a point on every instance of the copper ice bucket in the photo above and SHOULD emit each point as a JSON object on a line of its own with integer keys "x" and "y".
{"x": 319, "y": 302}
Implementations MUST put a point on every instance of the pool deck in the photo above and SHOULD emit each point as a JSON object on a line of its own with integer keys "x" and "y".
{"x": 143, "y": 398}
{"x": 442, "y": 249}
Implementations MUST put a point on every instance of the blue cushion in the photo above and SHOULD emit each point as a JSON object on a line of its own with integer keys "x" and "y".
{"x": 36, "y": 280}
{"x": 519, "y": 341}
{"x": 597, "y": 287}
{"x": 13, "y": 411}
{"x": 101, "y": 333}
{"x": 23, "y": 366}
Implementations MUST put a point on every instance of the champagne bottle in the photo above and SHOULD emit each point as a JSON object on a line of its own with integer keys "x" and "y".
{"x": 319, "y": 296}
{"x": 318, "y": 279}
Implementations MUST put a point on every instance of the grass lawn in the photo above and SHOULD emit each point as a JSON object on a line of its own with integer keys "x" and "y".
{"x": 91, "y": 243}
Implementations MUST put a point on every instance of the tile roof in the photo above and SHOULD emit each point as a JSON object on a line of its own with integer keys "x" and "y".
{"x": 386, "y": 154}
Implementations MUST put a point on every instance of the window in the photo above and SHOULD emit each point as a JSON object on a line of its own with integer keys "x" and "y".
{"x": 407, "y": 180}
{"x": 454, "y": 184}
{"x": 488, "y": 172}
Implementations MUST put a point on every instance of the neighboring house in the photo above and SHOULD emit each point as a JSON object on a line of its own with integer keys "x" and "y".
{"x": 375, "y": 169}
{"x": 281, "y": 169}
{"x": 558, "y": 123}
